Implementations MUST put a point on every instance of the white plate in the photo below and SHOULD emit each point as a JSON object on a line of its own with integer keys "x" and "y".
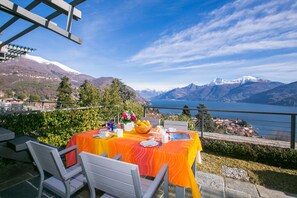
{"x": 150, "y": 145}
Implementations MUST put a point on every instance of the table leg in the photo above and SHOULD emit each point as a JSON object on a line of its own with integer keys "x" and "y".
{"x": 180, "y": 192}
{"x": 194, "y": 167}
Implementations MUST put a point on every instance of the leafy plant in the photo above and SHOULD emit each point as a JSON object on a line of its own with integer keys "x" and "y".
{"x": 55, "y": 127}
{"x": 280, "y": 157}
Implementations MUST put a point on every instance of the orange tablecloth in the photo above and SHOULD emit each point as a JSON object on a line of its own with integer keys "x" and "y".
{"x": 179, "y": 155}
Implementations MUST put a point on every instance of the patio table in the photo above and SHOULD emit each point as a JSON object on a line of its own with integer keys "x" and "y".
{"x": 179, "y": 155}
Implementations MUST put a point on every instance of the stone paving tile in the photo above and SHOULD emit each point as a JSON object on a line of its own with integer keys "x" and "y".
{"x": 14, "y": 181}
{"x": 210, "y": 180}
{"x": 21, "y": 190}
{"x": 244, "y": 187}
{"x": 289, "y": 195}
{"x": 230, "y": 193}
{"x": 268, "y": 193}
{"x": 34, "y": 181}
{"x": 209, "y": 192}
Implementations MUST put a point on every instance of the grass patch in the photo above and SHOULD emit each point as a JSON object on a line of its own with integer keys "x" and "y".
{"x": 269, "y": 176}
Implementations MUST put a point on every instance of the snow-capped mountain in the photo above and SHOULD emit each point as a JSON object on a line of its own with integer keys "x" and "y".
{"x": 149, "y": 93}
{"x": 221, "y": 90}
{"x": 44, "y": 61}
{"x": 242, "y": 80}
{"x": 36, "y": 75}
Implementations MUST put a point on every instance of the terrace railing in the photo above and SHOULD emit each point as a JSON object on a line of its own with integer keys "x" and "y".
{"x": 286, "y": 118}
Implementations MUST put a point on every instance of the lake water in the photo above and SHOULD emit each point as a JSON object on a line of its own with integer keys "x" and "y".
{"x": 273, "y": 126}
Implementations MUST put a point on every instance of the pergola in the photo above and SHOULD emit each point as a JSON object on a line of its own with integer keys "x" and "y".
{"x": 10, "y": 51}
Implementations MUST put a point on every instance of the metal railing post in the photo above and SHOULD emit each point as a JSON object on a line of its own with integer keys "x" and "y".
{"x": 202, "y": 123}
{"x": 144, "y": 111}
{"x": 293, "y": 130}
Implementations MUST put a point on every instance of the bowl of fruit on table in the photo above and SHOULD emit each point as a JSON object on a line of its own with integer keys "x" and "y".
{"x": 142, "y": 126}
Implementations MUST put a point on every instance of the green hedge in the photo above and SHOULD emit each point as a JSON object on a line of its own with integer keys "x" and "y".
{"x": 55, "y": 127}
{"x": 280, "y": 157}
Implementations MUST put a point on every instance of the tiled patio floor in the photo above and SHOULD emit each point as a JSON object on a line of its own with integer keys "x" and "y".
{"x": 20, "y": 180}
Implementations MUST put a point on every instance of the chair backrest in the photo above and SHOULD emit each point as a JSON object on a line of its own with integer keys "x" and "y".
{"x": 47, "y": 159}
{"x": 154, "y": 121}
{"x": 179, "y": 125}
{"x": 116, "y": 178}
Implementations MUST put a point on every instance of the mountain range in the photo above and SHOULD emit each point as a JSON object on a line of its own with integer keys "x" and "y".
{"x": 35, "y": 75}
{"x": 245, "y": 89}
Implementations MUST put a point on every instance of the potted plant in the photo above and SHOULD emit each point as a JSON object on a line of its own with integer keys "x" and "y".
{"x": 128, "y": 118}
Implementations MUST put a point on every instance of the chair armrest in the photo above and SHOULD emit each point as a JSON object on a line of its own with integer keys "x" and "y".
{"x": 162, "y": 174}
{"x": 118, "y": 157}
{"x": 72, "y": 173}
{"x": 67, "y": 150}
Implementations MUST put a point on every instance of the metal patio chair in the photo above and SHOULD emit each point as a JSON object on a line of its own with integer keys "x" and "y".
{"x": 178, "y": 125}
{"x": 64, "y": 181}
{"x": 154, "y": 121}
{"x": 119, "y": 179}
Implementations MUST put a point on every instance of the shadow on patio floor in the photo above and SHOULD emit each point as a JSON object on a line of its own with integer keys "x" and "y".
{"x": 21, "y": 180}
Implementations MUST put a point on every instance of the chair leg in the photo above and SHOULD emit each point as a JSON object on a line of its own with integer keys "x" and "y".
{"x": 40, "y": 190}
{"x": 166, "y": 184}
{"x": 92, "y": 192}
{"x": 67, "y": 187}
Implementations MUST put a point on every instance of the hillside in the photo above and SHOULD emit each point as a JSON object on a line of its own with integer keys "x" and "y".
{"x": 282, "y": 95}
{"x": 35, "y": 75}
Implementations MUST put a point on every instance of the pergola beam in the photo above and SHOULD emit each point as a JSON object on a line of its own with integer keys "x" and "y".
{"x": 33, "y": 27}
{"x": 15, "y": 18}
{"x": 14, "y": 9}
{"x": 64, "y": 7}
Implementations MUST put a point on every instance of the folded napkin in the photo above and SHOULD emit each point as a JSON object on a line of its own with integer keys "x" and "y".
{"x": 149, "y": 143}
{"x": 170, "y": 129}
{"x": 101, "y": 135}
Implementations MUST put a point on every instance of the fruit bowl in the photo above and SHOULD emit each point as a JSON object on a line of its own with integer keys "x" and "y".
{"x": 142, "y": 129}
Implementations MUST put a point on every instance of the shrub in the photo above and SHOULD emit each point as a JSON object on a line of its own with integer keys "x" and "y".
{"x": 276, "y": 156}
{"x": 55, "y": 127}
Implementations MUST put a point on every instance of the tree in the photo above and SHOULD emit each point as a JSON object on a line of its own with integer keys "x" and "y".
{"x": 125, "y": 93}
{"x": 89, "y": 95}
{"x": 186, "y": 111}
{"x": 117, "y": 98}
{"x": 112, "y": 102}
{"x": 65, "y": 93}
{"x": 21, "y": 96}
{"x": 205, "y": 116}
{"x": 9, "y": 93}
{"x": 34, "y": 97}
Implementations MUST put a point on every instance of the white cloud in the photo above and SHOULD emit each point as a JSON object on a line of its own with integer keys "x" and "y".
{"x": 159, "y": 86}
{"x": 196, "y": 66}
{"x": 236, "y": 28}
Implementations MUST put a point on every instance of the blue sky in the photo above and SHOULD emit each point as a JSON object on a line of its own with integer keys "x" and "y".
{"x": 166, "y": 44}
